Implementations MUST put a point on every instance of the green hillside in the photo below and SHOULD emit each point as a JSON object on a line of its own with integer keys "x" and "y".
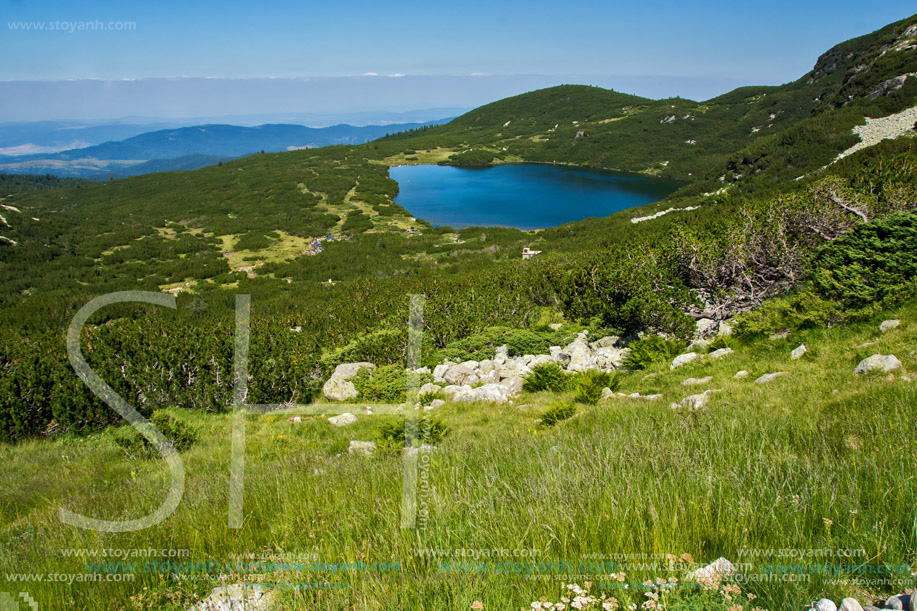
{"x": 774, "y": 235}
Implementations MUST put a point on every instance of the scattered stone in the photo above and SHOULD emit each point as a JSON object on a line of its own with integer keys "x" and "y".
{"x": 236, "y": 597}
{"x": 897, "y": 602}
{"x": 363, "y": 448}
{"x": 878, "y": 362}
{"x": 683, "y": 359}
{"x": 460, "y": 374}
{"x": 850, "y": 604}
{"x": 780, "y": 335}
{"x": 555, "y": 326}
{"x": 888, "y": 325}
{"x": 741, "y": 374}
{"x": 342, "y": 420}
{"x": 295, "y": 419}
{"x": 824, "y": 605}
{"x": 770, "y": 377}
{"x": 693, "y": 381}
{"x": 865, "y": 345}
{"x": 348, "y": 371}
{"x": 436, "y": 403}
{"x": 429, "y": 389}
{"x": 717, "y": 570}
{"x": 725, "y": 328}
{"x": 694, "y": 402}
{"x": 718, "y": 354}
{"x": 798, "y": 352}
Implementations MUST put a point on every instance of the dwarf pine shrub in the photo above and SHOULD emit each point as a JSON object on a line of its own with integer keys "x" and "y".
{"x": 546, "y": 376}
{"x": 557, "y": 412}
{"x": 588, "y": 385}
{"x": 426, "y": 430}
{"x": 653, "y": 349}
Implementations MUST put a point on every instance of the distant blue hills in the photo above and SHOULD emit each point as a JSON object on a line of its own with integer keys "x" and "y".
{"x": 188, "y": 148}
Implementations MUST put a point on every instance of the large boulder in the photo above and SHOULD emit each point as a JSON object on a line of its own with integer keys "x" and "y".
{"x": 339, "y": 389}
{"x": 824, "y": 604}
{"x": 347, "y": 371}
{"x": 440, "y": 370}
{"x": 513, "y": 383}
{"x": 851, "y": 604}
{"x": 878, "y": 362}
{"x": 580, "y": 354}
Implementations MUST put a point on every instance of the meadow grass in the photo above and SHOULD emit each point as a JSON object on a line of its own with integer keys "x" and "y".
{"x": 820, "y": 459}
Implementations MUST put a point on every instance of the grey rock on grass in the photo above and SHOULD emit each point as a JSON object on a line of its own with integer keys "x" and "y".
{"x": 770, "y": 377}
{"x": 878, "y": 362}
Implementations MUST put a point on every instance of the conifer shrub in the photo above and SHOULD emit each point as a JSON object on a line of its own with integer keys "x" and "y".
{"x": 178, "y": 433}
{"x": 652, "y": 349}
{"x": 426, "y": 430}
{"x": 870, "y": 264}
{"x": 558, "y": 412}
{"x": 588, "y": 385}
{"x": 546, "y": 376}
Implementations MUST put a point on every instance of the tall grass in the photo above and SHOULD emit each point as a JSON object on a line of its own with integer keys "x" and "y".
{"x": 790, "y": 464}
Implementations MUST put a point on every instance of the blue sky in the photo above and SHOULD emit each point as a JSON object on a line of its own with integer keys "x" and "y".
{"x": 709, "y": 46}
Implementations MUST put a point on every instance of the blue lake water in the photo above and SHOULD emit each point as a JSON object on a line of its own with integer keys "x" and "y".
{"x": 526, "y": 196}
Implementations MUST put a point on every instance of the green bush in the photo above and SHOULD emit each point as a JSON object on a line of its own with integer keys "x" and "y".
{"x": 179, "y": 434}
{"x": 425, "y": 430}
{"x": 386, "y": 384}
{"x": 653, "y": 349}
{"x": 588, "y": 385}
{"x": 799, "y": 311}
{"x": 545, "y": 376}
{"x": 557, "y": 412}
{"x": 870, "y": 263}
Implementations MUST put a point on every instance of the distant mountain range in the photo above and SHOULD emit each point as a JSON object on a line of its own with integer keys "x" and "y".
{"x": 188, "y": 148}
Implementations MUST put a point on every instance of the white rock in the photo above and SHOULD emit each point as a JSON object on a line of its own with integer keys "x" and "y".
{"x": 696, "y": 401}
{"x": 693, "y": 381}
{"x": 436, "y": 403}
{"x": 363, "y": 448}
{"x": 513, "y": 384}
{"x": 699, "y": 344}
{"x": 769, "y": 377}
{"x": 798, "y": 352}
{"x": 460, "y": 374}
{"x": 472, "y": 365}
{"x": 236, "y": 597}
{"x": 342, "y": 420}
{"x": 422, "y": 370}
{"x": 824, "y": 605}
{"x": 440, "y": 370}
{"x": 346, "y": 371}
{"x": 850, "y": 604}
{"x": 878, "y": 362}
{"x": 429, "y": 389}
{"x": 725, "y": 328}
{"x": 780, "y": 335}
{"x": 741, "y": 374}
{"x": 717, "y": 570}
{"x": 555, "y": 326}
{"x": 718, "y": 354}
{"x": 450, "y": 391}
{"x": 888, "y": 325}
{"x": 295, "y": 419}
{"x": 683, "y": 359}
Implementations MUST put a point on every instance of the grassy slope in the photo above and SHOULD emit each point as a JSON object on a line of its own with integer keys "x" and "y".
{"x": 818, "y": 459}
